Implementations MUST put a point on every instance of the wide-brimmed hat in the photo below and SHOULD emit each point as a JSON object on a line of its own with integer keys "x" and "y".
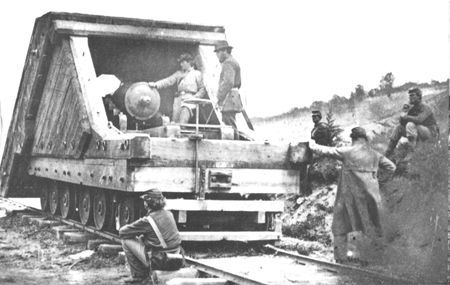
{"x": 151, "y": 194}
{"x": 358, "y": 132}
{"x": 221, "y": 46}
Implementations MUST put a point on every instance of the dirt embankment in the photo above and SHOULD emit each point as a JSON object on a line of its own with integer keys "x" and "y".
{"x": 415, "y": 220}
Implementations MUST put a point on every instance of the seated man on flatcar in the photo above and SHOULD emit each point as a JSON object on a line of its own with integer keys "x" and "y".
{"x": 147, "y": 241}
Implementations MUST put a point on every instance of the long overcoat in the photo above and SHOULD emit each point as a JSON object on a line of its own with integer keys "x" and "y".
{"x": 358, "y": 201}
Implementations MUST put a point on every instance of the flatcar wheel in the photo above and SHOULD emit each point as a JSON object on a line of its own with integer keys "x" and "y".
{"x": 54, "y": 198}
{"x": 67, "y": 201}
{"x": 103, "y": 209}
{"x": 45, "y": 198}
{"x": 85, "y": 207}
{"x": 127, "y": 211}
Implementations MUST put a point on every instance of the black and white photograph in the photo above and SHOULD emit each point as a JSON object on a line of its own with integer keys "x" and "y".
{"x": 224, "y": 142}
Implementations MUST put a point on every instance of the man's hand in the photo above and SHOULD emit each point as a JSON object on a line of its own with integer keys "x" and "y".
{"x": 403, "y": 115}
{"x": 152, "y": 84}
{"x": 312, "y": 144}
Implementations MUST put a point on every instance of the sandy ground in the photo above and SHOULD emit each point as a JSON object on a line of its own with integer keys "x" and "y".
{"x": 29, "y": 255}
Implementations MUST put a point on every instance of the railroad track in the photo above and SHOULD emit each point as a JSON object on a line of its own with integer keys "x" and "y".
{"x": 344, "y": 274}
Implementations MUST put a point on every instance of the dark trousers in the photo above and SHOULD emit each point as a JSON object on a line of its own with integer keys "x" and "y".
{"x": 136, "y": 257}
{"x": 229, "y": 119}
{"x": 141, "y": 265}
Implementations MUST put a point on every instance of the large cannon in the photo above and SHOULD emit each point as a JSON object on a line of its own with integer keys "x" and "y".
{"x": 68, "y": 145}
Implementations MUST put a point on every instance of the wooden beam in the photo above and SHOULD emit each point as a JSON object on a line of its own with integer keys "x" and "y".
{"x": 230, "y": 236}
{"x": 103, "y": 173}
{"x": 219, "y": 153}
{"x": 244, "y": 181}
{"x": 127, "y": 31}
{"x": 225, "y": 205}
{"x": 86, "y": 78}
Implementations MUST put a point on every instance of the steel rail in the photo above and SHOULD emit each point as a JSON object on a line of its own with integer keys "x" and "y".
{"x": 340, "y": 268}
{"x": 201, "y": 266}
{"x": 236, "y": 278}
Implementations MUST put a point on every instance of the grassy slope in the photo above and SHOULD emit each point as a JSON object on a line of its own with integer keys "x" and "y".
{"x": 416, "y": 223}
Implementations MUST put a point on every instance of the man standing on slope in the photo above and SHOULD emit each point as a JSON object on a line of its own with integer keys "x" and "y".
{"x": 358, "y": 201}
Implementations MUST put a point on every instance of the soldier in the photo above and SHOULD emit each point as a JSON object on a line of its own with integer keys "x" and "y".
{"x": 358, "y": 201}
{"x": 156, "y": 232}
{"x": 229, "y": 99}
{"x": 320, "y": 133}
{"x": 417, "y": 123}
{"x": 190, "y": 85}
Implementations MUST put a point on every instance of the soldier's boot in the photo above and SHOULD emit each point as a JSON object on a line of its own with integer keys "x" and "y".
{"x": 412, "y": 142}
{"x": 390, "y": 149}
{"x": 340, "y": 248}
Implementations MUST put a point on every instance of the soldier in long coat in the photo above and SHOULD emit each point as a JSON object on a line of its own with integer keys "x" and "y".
{"x": 358, "y": 201}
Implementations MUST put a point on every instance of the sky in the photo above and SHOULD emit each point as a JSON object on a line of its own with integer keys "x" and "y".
{"x": 291, "y": 52}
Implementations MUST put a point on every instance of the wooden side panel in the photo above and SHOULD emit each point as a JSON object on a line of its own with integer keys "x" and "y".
{"x": 20, "y": 134}
{"x": 62, "y": 128}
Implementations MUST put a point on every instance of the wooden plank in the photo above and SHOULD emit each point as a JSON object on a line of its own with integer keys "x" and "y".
{"x": 86, "y": 76}
{"x": 57, "y": 102}
{"x": 224, "y": 205}
{"x": 130, "y": 21}
{"x": 219, "y": 153}
{"x": 135, "y": 32}
{"x": 244, "y": 181}
{"x": 52, "y": 76}
{"x": 230, "y": 236}
{"x": 52, "y": 102}
{"x": 121, "y": 145}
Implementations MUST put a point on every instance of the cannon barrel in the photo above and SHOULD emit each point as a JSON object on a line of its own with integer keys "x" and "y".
{"x": 137, "y": 99}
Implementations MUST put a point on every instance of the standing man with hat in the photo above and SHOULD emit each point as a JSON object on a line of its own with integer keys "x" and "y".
{"x": 229, "y": 99}
{"x": 320, "y": 133}
{"x": 156, "y": 232}
{"x": 190, "y": 85}
{"x": 358, "y": 200}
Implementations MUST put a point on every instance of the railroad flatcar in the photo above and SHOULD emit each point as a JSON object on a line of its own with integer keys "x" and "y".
{"x": 88, "y": 135}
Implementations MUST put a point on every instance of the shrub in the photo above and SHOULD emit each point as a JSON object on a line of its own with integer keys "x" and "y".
{"x": 308, "y": 229}
{"x": 333, "y": 128}
{"x": 324, "y": 170}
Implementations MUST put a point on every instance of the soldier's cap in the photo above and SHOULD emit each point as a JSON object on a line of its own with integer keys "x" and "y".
{"x": 317, "y": 112}
{"x": 151, "y": 194}
{"x": 185, "y": 57}
{"x": 416, "y": 91}
{"x": 221, "y": 46}
{"x": 358, "y": 132}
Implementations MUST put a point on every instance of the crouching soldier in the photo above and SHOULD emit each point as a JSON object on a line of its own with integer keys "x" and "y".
{"x": 417, "y": 123}
{"x": 152, "y": 241}
{"x": 358, "y": 200}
